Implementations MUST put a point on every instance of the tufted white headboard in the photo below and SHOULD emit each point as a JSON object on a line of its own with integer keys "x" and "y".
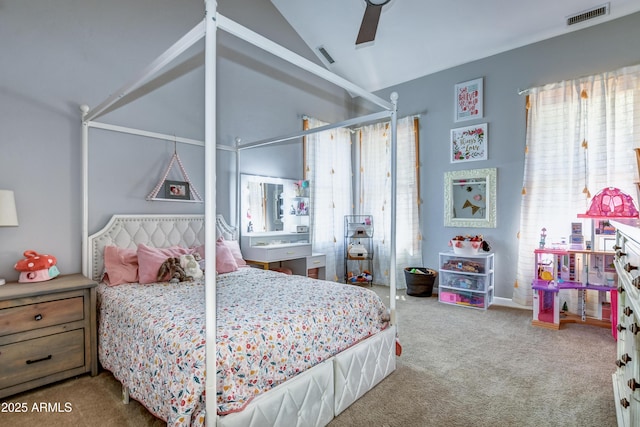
{"x": 160, "y": 231}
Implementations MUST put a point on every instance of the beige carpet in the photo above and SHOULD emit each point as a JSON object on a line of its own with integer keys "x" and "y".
{"x": 459, "y": 367}
{"x": 465, "y": 367}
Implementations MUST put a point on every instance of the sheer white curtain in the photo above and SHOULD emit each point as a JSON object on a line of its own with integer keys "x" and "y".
{"x": 374, "y": 196}
{"x": 580, "y": 139}
{"x": 328, "y": 168}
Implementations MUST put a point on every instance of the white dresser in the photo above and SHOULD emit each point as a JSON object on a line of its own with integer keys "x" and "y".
{"x": 626, "y": 379}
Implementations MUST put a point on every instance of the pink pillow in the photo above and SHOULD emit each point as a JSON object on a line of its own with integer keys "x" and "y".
{"x": 150, "y": 259}
{"x": 234, "y": 247}
{"x": 121, "y": 265}
{"x": 225, "y": 263}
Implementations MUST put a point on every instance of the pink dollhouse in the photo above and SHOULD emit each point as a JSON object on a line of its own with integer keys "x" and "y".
{"x": 579, "y": 285}
{"x": 572, "y": 286}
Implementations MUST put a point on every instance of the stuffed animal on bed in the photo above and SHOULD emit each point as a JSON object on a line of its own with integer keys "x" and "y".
{"x": 172, "y": 267}
{"x": 190, "y": 265}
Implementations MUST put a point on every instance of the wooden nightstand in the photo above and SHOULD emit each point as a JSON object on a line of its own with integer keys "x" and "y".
{"x": 47, "y": 332}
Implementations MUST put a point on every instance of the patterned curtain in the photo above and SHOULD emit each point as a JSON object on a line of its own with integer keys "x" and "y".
{"x": 580, "y": 138}
{"x": 328, "y": 169}
{"x": 374, "y": 196}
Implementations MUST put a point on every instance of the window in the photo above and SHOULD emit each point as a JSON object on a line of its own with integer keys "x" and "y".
{"x": 329, "y": 158}
{"x": 374, "y": 157}
{"x": 580, "y": 138}
{"x": 328, "y": 168}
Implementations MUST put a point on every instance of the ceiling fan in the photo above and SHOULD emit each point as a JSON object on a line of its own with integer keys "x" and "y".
{"x": 370, "y": 20}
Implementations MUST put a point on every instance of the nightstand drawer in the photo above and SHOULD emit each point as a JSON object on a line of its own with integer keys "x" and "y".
{"x": 40, "y": 315}
{"x": 39, "y": 357}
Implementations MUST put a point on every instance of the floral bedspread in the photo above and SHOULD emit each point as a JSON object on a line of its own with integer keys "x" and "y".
{"x": 270, "y": 327}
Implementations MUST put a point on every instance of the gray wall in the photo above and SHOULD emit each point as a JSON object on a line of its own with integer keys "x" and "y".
{"x": 59, "y": 54}
{"x": 600, "y": 48}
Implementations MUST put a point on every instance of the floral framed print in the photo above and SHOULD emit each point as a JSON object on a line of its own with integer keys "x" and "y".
{"x": 469, "y": 143}
{"x": 468, "y": 100}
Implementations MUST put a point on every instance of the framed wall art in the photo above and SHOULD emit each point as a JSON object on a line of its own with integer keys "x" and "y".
{"x": 469, "y": 143}
{"x": 468, "y": 100}
{"x": 470, "y": 198}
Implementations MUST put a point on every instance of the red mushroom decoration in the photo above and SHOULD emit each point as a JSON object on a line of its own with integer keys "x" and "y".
{"x": 36, "y": 267}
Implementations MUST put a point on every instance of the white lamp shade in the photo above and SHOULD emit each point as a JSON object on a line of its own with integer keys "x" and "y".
{"x": 8, "y": 214}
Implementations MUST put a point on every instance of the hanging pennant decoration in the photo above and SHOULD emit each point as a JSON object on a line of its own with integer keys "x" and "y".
{"x": 473, "y": 207}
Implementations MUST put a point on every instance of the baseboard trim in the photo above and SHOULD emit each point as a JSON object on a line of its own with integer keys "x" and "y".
{"x": 502, "y": 302}
{"x": 507, "y": 302}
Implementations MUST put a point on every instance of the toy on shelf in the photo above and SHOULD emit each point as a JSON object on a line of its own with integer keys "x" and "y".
{"x": 543, "y": 238}
{"x": 364, "y": 277}
{"x": 577, "y": 240}
{"x": 359, "y": 251}
{"x": 466, "y": 245}
{"x": 36, "y": 267}
{"x": 463, "y": 298}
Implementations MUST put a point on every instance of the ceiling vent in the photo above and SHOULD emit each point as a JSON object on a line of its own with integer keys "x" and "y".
{"x": 326, "y": 55}
{"x": 594, "y": 12}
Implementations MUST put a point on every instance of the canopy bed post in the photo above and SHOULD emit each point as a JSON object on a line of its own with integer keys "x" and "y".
{"x": 210, "y": 206}
{"x": 85, "y": 189}
{"x": 239, "y": 213}
{"x": 394, "y": 157}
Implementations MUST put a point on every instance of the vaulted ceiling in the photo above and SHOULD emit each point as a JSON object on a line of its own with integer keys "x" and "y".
{"x": 420, "y": 37}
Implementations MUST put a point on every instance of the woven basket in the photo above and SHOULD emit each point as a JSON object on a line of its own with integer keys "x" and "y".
{"x": 420, "y": 285}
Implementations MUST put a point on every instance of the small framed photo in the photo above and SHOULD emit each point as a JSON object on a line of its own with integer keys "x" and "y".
{"x": 178, "y": 190}
{"x": 468, "y": 100}
{"x": 469, "y": 143}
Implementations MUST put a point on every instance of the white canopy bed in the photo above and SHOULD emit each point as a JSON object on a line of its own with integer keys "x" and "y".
{"x": 317, "y": 395}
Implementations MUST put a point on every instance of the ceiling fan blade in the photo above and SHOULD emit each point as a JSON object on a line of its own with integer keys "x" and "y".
{"x": 369, "y": 24}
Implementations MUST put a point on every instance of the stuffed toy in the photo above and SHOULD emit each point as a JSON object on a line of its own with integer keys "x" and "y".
{"x": 172, "y": 268}
{"x": 365, "y": 276}
{"x": 36, "y": 267}
{"x": 190, "y": 265}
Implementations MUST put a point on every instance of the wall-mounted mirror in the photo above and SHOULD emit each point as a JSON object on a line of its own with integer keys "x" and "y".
{"x": 271, "y": 204}
{"x": 261, "y": 203}
{"x": 470, "y": 198}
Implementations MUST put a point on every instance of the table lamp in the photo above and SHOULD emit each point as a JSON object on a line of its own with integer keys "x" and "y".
{"x": 8, "y": 214}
